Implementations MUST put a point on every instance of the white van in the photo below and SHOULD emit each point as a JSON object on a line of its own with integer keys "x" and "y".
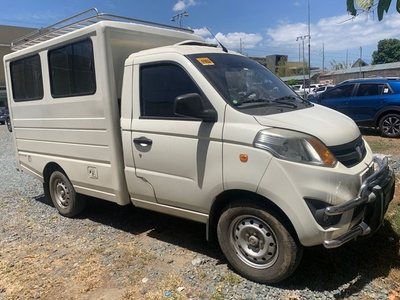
{"x": 136, "y": 112}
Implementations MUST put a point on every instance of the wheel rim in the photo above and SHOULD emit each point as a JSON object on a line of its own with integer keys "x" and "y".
{"x": 391, "y": 125}
{"x": 61, "y": 193}
{"x": 254, "y": 241}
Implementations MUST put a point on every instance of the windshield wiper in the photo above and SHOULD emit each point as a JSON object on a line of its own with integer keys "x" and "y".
{"x": 255, "y": 100}
{"x": 284, "y": 100}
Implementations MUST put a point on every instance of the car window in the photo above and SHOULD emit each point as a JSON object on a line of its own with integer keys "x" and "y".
{"x": 160, "y": 85}
{"x": 372, "y": 89}
{"x": 342, "y": 91}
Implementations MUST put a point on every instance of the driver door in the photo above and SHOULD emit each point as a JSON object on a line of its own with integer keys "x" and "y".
{"x": 180, "y": 157}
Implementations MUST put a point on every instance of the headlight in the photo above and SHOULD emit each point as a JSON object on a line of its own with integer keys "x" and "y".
{"x": 295, "y": 146}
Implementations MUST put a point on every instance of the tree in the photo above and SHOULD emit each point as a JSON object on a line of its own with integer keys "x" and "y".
{"x": 388, "y": 51}
{"x": 337, "y": 65}
{"x": 291, "y": 82}
{"x": 382, "y": 6}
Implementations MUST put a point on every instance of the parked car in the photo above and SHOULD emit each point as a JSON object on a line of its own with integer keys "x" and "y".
{"x": 319, "y": 90}
{"x": 3, "y": 115}
{"x": 304, "y": 90}
{"x": 371, "y": 102}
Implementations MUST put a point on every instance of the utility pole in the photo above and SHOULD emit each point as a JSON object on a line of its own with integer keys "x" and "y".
{"x": 299, "y": 53}
{"x": 359, "y": 62}
{"x": 179, "y": 17}
{"x": 309, "y": 49}
{"x": 323, "y": 57}
{"x": 302, "y": 38}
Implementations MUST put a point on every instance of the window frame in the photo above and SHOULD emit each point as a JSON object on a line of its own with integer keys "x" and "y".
{"x": 72, "y": 71}
{"x": 328, "y": 92}
{"x": 37, "y": 76}
{"x": 142, "y": 90}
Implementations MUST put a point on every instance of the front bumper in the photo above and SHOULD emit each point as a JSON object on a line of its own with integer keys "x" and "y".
{"x": 373, "y": 199}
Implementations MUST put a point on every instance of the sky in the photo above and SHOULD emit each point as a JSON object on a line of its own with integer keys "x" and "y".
{"x": 254, "y": 27}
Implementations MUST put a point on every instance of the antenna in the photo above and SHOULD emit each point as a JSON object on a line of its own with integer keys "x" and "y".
{"x": 222, "y": 46}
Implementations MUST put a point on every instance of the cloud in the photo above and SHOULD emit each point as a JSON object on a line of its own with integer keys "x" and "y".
{"x": 183, "y": 5}
{"x": 343, "y": 38}
{"x": 202, "y": 31}
{"x": 338, "y": 34}
{"x": 234, "y": 40}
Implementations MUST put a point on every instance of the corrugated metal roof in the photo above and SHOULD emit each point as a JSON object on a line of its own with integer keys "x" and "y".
{"x": 380, "y": 67}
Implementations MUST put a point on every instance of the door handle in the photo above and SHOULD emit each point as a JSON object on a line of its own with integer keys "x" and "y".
{"x": 143, "y": 141}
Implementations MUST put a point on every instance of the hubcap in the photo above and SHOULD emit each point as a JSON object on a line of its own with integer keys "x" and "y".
{"x": 61, "y": 194}
{"x": 391, "y": 125}
{"x": 254, "y": 242}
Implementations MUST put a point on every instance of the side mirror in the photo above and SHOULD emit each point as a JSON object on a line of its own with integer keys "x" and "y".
{"x": 191, "y": 105}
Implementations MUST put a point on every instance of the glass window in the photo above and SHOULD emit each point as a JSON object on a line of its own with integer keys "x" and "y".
{"x": 247, "y": 85}
{"x": 339, "y": 92}
{"x": 371, "y": 89}
{"x": 26, "y": 78}
{"x": 72, "y": 70}
{"x": 159, "y": 86}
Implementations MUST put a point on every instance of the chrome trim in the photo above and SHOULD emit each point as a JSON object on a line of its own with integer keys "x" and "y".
{"x": 362, "y": 196}
{"x": 372, "y": 189}
{"x": 361, "y": 229}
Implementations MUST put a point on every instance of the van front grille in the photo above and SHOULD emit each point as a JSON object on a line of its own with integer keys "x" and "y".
{"x": 350, "y": 154}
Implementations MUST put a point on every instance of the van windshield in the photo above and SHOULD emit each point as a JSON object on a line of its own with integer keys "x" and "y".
{"x": 246, "y": 85}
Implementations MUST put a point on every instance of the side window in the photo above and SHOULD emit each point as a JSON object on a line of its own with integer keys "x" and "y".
{"x": 339, "y": 92}
{"x": 26, "y": 78}
{"x": 72, "y": 70}
{"x": 159, "y": 86}
{"x": 371, "y": 89}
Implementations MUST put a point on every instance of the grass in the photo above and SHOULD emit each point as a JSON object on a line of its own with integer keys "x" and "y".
{"x": 390, "y": 147}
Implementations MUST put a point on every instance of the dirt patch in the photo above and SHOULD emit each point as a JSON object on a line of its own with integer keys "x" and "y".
{"x": 387, "y": 146}
{"x": 113, "y": 252}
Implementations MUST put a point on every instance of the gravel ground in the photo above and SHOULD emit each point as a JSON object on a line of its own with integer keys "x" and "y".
{"x": 113, "y": 252}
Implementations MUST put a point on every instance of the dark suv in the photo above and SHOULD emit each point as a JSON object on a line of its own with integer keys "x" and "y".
{"x": 373, "y": 102}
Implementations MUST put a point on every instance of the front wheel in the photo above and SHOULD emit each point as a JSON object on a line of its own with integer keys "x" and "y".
{"x": 389, "y": 126}
{"x": 257, "y": 244}
{"x": 63, "y": 195}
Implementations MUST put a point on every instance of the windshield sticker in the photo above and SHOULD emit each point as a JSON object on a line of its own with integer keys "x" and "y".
{"x": 205, "y": 61}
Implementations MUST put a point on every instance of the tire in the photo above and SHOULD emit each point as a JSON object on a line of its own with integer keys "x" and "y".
{"x": 389, "y": 126}
{"x": 63, "y": 195}
{"x": 257, "y": 244}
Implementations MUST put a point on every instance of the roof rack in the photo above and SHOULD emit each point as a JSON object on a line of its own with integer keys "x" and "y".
{"x": 78, "y": 21}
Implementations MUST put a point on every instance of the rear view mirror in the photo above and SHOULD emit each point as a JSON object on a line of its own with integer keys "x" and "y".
{"x": 191, "y": 105}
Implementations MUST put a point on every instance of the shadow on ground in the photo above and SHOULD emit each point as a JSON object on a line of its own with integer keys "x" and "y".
{"x": 369, "y": 131}
{"x": 345, "y": 270}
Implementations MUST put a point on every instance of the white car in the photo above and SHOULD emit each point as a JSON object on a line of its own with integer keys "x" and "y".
{"x": 303, "y": 90}
{"x": 319, "y": 90}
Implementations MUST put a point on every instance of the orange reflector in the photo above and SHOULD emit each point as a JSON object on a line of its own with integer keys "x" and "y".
{"x": 243, "y": 158}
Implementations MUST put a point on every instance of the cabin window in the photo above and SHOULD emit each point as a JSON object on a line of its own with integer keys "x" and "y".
{"x": 26, "y": 79}
{"x": 160, "y": 84}
{"x": 72, "y": 70}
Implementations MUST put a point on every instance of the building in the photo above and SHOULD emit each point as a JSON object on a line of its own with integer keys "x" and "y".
{"x": 7, "y": 35}
{"x": 360, "y": 71}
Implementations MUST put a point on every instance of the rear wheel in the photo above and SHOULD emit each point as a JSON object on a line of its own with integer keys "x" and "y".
{"x": 257, "y": 244}
{"x": 63, "y": 195}
{"x": 389, "y": 126}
